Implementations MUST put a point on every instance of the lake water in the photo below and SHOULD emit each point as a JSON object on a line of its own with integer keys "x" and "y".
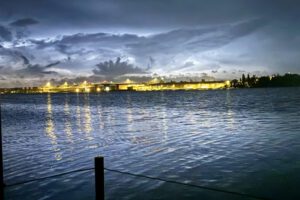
{"x": 244, "y": 140}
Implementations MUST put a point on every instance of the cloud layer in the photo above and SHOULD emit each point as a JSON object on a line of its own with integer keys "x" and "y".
{"x": 163, "y": 37}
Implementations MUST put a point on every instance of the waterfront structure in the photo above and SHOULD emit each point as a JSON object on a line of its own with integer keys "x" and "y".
{"x": 128, "y": 85}
{"x": 174, "y": 86}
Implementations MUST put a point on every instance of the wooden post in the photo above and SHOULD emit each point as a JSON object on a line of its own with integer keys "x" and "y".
{"x": 99, "y": 178}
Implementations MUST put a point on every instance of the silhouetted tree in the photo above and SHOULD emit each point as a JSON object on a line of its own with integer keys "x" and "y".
{"x": 243, "y": 80}
{"x": 287, "y": 80}
{"x": 234, "y": 83}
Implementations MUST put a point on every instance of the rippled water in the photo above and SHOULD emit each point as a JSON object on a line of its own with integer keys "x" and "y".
{"x": 240, "y": 140}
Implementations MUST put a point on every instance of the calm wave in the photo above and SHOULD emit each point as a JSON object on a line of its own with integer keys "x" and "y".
{"x": 240, "y": 140}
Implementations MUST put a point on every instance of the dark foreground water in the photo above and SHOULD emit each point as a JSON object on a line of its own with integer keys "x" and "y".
{"x": 239, "y": 140}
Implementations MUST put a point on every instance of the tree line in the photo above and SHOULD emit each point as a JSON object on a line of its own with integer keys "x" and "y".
{"x": 286, "y": 80}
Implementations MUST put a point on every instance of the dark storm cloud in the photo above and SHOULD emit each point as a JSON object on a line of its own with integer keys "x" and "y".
{"x": 99, "y": 45}
{"x": 103, "y": 38}
{"x": 52, "y": 64}
{"x": 2, "y": 78}
{"x": 153, "y": 14}
{"x": 26, "y": 61}
{"x": 5, "y": 34}
{"x": 16, "y": 64}
{"x": 205, "y": 36}
{"x": 24, "y": 22}
{"x": 16, "y": 30}
{"x": 188, "y": 64}
{"x": 13, "y": 55}
{"x": 178, "y": 44}
{"x": 112, "y": 69}
{"x": 156, "y": 49}
{"x": 36, "y": 70}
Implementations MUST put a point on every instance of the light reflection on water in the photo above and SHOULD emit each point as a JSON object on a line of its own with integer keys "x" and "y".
{"x": 230, "y": 113}
{"x": 231, "y": 139}
{"x": 68, "y": 125}
{"x": 50, "y": 129}
{"x": 87, "y": 117}
{"x": 78, "y": 114}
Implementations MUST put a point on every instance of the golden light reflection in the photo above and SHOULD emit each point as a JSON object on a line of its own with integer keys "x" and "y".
{"x": 129, "y": 114}
{"x": 204, "y": 120}
{"x": 164, "y": 122}
{"x": 50, "y": 129}
{"x": 78, "y": 114}
{"x": 100, "y": 112}
{"x": 87, "y": 90}
{"x": 68, "y": 125}
{"x": 230, "y": 118}
{"x": 87, "y": 117}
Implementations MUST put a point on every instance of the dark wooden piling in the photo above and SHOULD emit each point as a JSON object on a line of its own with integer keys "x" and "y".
{"x": 99, "y": 178}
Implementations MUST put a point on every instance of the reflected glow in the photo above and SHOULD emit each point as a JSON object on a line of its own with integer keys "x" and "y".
{"x": 205, "y": 121}
{"x": 78, "y": 114}
{"x": 87, "y": 117}
{"x": 230, "y": 118}
{"x": 68, "y": 125}
{"x": 164, "y": 119}
{"x": 129, "y": 114}
{"x": 50, "y": 129}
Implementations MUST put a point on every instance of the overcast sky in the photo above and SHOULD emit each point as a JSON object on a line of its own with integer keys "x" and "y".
{"x": 45, "y": 39}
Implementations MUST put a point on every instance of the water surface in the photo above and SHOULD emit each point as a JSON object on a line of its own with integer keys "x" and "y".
{"x": 240, "y": 140}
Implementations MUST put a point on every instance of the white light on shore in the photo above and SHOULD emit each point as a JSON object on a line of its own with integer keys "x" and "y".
{"x": 107, "y": 89}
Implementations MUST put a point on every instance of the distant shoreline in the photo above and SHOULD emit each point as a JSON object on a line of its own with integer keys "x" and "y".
{"x": 86, "y": 87}
{"x": 154, "y": 91}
